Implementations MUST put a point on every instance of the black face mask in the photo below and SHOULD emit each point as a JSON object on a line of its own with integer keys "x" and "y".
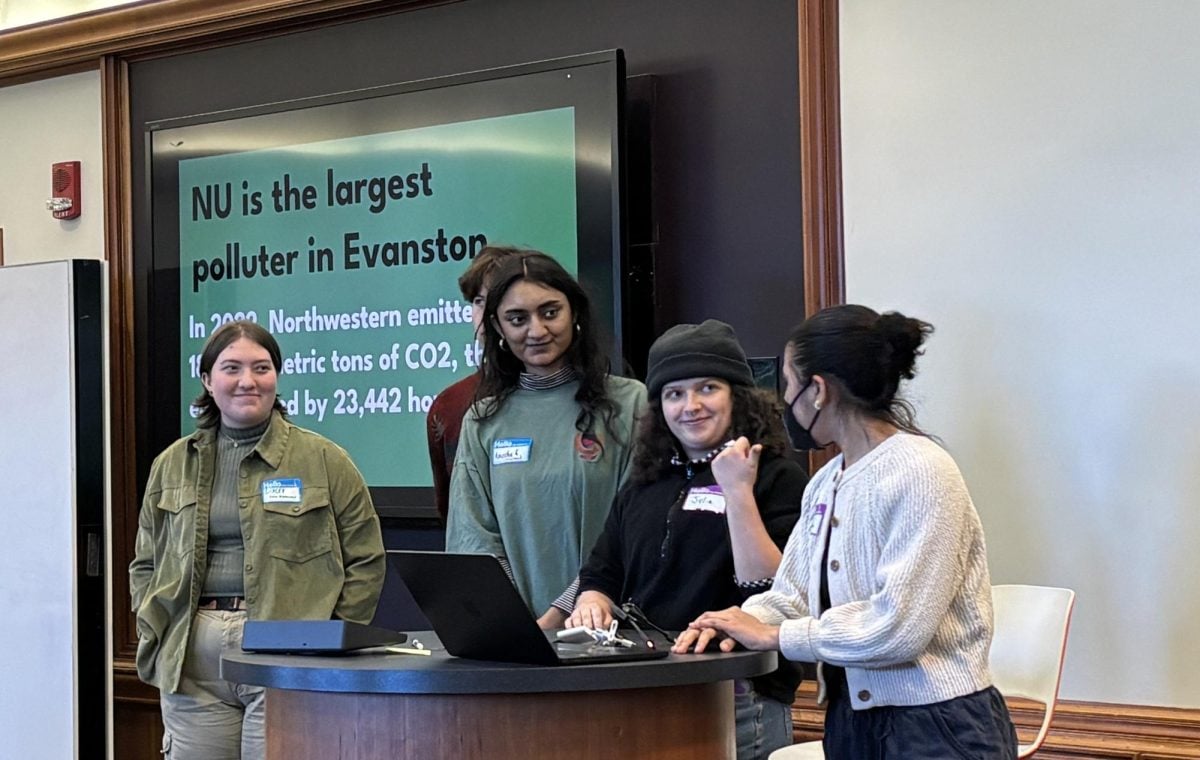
{"x": 800, "y": 436}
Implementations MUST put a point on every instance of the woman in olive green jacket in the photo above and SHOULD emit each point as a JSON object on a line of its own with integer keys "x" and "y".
{"x": 248, "y": 517}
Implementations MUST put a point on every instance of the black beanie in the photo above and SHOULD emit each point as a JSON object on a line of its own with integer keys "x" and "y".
{"x": 709, "y": 349}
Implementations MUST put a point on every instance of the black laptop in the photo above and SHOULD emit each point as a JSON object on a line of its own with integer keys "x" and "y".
{"x": 478, "y": 613}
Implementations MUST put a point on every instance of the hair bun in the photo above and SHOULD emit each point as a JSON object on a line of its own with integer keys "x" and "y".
{"x": 904, "y": 335}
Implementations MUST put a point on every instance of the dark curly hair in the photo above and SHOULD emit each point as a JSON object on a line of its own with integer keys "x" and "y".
{"x": 502, "y": 370}
{"x": 757, "y": 414}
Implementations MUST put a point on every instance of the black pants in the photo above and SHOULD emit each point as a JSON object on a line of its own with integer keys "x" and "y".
{"x": 974, "y": 727}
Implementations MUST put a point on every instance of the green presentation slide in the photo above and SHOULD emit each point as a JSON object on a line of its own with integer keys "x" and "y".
{"x": 348, "y": 251}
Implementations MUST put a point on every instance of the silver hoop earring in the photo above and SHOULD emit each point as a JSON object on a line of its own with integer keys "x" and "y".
{"x": 502, "y": 346}
{"x": 577, "y": 329}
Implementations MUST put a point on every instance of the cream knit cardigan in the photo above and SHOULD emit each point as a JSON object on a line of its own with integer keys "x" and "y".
{"x": 911, "y": 615}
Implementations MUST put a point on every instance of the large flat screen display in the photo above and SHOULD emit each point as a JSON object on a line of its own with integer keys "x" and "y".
{"x": 342, "y": 223}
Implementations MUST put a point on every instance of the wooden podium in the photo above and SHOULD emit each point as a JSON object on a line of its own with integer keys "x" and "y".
{"x": 375, "y": 706}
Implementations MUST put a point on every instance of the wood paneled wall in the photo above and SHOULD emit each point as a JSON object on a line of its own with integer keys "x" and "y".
{"x": 1079, "y": 731}
{"x": 137, "y": 724}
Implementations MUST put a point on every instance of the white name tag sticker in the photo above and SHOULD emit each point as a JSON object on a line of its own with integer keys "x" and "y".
{"x": 281, "y": 491}
{"x": 705, "y": 499}
{"x": 511, "y": 450}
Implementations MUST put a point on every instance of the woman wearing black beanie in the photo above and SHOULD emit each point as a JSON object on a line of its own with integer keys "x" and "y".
{"x": 710, "y": 504}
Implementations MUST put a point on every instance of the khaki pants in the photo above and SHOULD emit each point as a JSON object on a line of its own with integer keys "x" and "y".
{"x": 210, "y": 718}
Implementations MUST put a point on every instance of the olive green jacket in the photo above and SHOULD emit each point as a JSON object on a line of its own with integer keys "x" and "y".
{"x": 317, "y": 558}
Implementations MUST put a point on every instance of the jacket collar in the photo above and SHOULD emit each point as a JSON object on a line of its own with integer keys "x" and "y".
{"x": 274, "y": 442}
{"x": 270, "y": 447}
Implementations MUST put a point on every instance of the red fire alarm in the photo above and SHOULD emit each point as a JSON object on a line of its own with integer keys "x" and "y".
{"x": 64, "y": 181}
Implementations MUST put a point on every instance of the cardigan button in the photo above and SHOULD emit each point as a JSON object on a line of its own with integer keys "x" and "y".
{"x": 834, "y": 565}
{"x": 833, "y": 521}
{"x": 864, "y": 696}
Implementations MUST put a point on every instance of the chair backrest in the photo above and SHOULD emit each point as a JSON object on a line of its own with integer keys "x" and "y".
{"x": 1028, "y": 646}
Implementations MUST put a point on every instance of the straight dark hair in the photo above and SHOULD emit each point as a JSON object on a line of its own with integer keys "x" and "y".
{"x": 502, "y": 370}
{"x": 228, "y": 333}
{"x": 866, "y": 354}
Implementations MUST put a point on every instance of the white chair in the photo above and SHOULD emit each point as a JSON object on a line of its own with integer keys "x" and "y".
{"x": 805, "y": 751}
{"x": 1029, "y": 645}
{"x": 1026, "y": 658}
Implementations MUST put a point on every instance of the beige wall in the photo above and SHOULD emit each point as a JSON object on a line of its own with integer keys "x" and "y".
{"x": 14, "y": 13}
{"x": 45, "y": 122}
{"x": 1026, "y": 175}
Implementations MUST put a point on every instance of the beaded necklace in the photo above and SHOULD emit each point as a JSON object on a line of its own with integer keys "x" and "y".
{"x": 690, "y": 464}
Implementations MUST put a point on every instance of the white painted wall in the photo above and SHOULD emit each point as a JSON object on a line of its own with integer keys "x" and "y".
{"x": 45, "y": 122}
{"x": 1026, "y": 175}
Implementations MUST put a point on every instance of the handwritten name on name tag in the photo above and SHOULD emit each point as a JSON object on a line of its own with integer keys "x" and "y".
{"x": 281, "y": 491}
{"x": 511, "y": 450}
{"x": 705, "y": 499}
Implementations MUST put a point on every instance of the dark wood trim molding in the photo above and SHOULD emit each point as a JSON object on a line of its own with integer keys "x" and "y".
{"x": 820, "y": 165}
{"x": 118, "y": 246}
{"x": 821, "y": 155}
{"x": 1079, "y": 731}
{"x": 129, "y": 689}
{"x": 137, "y": 723}
{"x": 1127, "y": 732}
{"x": 78, "y": 42}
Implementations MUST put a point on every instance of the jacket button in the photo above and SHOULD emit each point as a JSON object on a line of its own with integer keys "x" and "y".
{"x": 295, "y": 509}
{"x": 864, "y": 696}
{"x": 833, "y": 521}
{"x": 245, "y": 474}
{"x": 242, "y": 503}
{"x": 249, "y": 568}
{"x": 834, "y": 565}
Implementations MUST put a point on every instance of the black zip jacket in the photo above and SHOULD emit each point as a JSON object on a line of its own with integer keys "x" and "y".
{"x": 676, "y": 563}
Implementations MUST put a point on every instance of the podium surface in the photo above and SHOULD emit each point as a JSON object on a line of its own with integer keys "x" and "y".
{"x": 377, "y": 705}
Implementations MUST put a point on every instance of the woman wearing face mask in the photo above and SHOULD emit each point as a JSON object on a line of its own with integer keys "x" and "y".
{"x": 701, "y": 524}
{"x": 547, "y": 444}
{"x": 885, "y": 582}
{"x": 247, "y": 517}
